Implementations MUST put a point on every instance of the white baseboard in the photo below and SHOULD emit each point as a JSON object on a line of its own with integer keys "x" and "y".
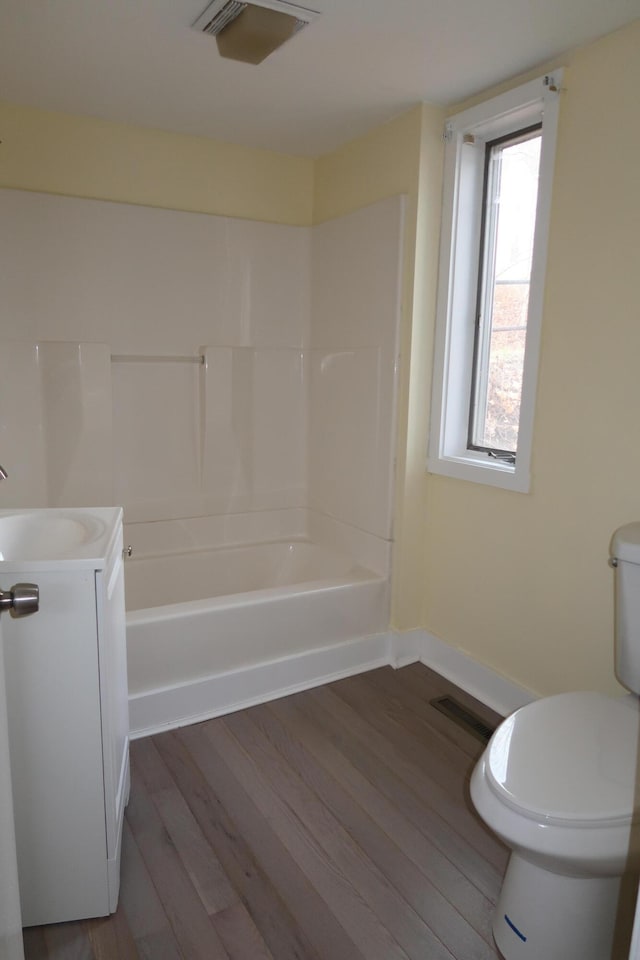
{"x": 491, "y": 688}
{"x": 201, "y": 699}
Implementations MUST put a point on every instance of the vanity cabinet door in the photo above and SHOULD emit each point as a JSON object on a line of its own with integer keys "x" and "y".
{"x": 55, "y": 739}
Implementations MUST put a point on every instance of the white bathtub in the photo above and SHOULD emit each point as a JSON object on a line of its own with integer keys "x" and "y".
{"x": 181, "y": 578}
{"x": 209, "y": 630}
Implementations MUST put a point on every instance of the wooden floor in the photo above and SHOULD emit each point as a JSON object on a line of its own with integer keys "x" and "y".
{"x": 334, "y": 824}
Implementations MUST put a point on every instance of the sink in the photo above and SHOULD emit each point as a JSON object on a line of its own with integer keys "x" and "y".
{"x": 47, "y": 534}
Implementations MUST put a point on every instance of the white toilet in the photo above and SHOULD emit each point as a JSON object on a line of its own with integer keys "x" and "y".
{"x": 558, "y": 783}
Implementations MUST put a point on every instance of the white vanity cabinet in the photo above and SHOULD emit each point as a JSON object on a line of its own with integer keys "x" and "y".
{"x": 68, "y": 725}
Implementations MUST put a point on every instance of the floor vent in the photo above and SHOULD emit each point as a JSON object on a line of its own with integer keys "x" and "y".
{"x": 466, "y": 719}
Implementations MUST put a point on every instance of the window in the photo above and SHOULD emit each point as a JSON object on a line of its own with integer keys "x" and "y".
{"x": 498, "y": 175}
{"x": 509, "y": 203}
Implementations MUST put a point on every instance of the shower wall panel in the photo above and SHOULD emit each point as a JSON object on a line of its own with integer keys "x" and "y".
{"x": 186, "y": 439}
{"x": 253, "y": 428}
{"x": 146, "y": 280}
{"x": 294, "y": 405}
{"x": 55, "y": 424}
{"x": 226, "y": 436}
{"x": 356, "y": 276}
{"x": 156, "y": 438}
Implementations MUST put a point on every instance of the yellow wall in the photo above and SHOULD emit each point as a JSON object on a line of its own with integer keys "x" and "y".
{"x": 382, "y": 163}
{"x": 521, "y": 581}
{"x": 421, "y": 262}
{"x": 84, "y": 157}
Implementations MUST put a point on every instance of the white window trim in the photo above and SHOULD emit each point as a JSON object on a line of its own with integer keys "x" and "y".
{"x": 458, "y": 275}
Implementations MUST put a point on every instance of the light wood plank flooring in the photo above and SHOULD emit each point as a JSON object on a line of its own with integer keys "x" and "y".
{"x": 334, "y": 824}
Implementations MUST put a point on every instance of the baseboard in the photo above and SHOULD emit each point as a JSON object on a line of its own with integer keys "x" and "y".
{"x": 201, "y": 699}
{"x": 176, "y": 706}
{"x": 496, "y": 691}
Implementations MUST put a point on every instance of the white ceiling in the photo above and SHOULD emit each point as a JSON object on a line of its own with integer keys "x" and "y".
{"x": 361, "y": 63}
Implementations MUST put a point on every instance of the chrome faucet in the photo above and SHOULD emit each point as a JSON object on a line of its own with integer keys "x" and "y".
{"x": 3, "y": 473}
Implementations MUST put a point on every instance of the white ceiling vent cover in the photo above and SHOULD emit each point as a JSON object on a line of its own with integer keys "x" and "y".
{"x": 220, "y": 13}
{"x": 251, "y": 31}
{"x": 217, "y": 15}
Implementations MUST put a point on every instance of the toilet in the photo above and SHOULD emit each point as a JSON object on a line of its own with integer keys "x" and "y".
{"x": 558, "y": 784}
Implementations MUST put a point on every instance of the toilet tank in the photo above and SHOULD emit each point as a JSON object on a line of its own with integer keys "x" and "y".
{"x": 625, "y": 553}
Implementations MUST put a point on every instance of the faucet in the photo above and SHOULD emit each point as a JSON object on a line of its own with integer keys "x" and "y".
{"x": 3, "y": 473}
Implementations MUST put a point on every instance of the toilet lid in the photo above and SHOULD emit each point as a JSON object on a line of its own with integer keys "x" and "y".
{"x": 569, "y": 757}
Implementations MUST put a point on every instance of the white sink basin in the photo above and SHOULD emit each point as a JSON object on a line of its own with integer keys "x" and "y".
{"x": 47, "y": 534}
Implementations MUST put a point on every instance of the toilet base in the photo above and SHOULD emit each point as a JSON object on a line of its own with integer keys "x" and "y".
{"x": 543, "y": 914}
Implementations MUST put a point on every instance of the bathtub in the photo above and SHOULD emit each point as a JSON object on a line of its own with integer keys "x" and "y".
{"x": 215, "y": 629}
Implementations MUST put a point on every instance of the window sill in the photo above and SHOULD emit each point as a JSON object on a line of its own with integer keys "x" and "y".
{"x": 504, "y": 475}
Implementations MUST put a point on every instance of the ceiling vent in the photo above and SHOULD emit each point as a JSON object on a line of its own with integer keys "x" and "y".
{"x": 251, "y": 31}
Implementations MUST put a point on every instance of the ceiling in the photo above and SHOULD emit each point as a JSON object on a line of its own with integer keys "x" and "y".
{"x": 359, "y": 64}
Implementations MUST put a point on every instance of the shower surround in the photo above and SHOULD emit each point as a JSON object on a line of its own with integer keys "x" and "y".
{"x": 232, "y": 384}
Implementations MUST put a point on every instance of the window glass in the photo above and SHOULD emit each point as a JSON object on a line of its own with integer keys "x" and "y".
{"x": 509, "y": 216}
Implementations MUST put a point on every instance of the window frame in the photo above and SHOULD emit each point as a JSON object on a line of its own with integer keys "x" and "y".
{"x": 466, "y": 135}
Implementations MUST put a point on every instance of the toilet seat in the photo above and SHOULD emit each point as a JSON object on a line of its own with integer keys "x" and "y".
{"x": 568, "y": 760}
